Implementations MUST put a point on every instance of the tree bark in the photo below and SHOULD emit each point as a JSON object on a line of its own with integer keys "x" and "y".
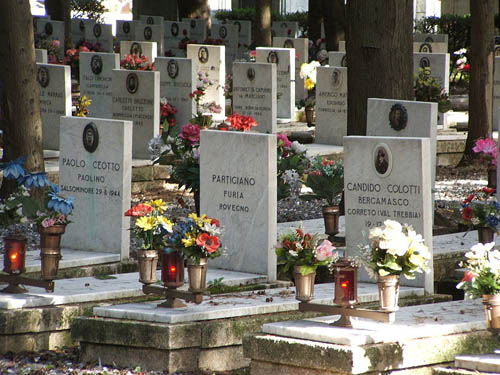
{"x": 481, "y": 72}
{"x": 334, "y": 21}
{"x": 314, "y": 18}
{"x": 166, "y": 8}
{"x": 262, "y": 27}
{"x": 20, "y": 117}
{"x": 380, "y": 54}
{"x": 60, "y": 10}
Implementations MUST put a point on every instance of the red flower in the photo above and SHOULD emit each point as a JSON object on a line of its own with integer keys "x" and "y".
{"x": 469, "y": 198}
{"x": 466, "y": 67}
{"x": 467, "y": 213}
{"x": 140, "y": 210}
{"x": 215, "y": 222}
{"x": 240, "y": 122}
{"x": 208, "y": 242}
{"x": 488, "y": 190}
{"x": 300, "y": 233}
{"x": 468, "y": 276}
{"x": 191, "y": 133}
{"x": 253, "y": 53}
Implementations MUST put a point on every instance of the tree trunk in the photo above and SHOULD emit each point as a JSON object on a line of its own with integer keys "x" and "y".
{"x": 194, "y": 9}
{"x": 166, "y": 8}
{"x": 380, "y": 54}
{"x": 314, "y": 18}
{"x": 481, "y": 72}
{"x": 262, "y": 27}
{"x": 19, "y": 97}
{"x": 334, "y": 20}
{"x": 60, "y": 10}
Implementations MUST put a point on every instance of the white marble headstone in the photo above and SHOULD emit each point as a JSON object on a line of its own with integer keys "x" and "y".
{"x": 254, "y": 94}
{"x": 430, "y": 47}
{"x": 496, "y": 93}
{"x": 439, "y": 63}
{"x": 174, "y": 32}
{"x": 430, "y": 38}
{"x": 51, "y": 30}
{"x": 96, "y": 81}
{"x": 177, "y": 81}
{"x": 136, "y": 97}
{"x": 284, "y": 58}
{"x": 336, "y": 58}
{"x": 331, "y": 105}
{"x": 211, "y": 60}
{"x": 55, "y": 100}
{"x": 35, "y": 21}
{"x": 151, "y": 20}
{"x": 147, "y": 49}
{"x": 100, "y": 34}
{"x": 197, "y": 29}
{"x": 78, "y": 27}
{"x": 229, "y": 35}
{"x": 288, "y": 29}
{"x": 245, "y": 35}
{"x": 125, "y": 30}
{"x": 387, "y": 178}
{"x": 95, "y": 167}
{"x": 242, "y": 196}
{"x": 150, "y": 33}
{"x": 41, "y": 56}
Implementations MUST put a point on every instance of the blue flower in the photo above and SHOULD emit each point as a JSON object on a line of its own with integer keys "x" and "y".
{"x": 59, "y": 204}
{"x": 14, "y": 169}
{"x": 492, "y": 221}
{"x": 39, "y": 179}
{"x": 497, "y": 205}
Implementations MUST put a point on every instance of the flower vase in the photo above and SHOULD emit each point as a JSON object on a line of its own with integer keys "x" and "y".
{"x": 310, "y": 116}
{"x": 50, "y": 249}
{"x": 485, "y": 235}
{"x": 147, "y": 261}
{"x": 388, "y": 292}
{"x": 492, "y": 176}
{"x": 331, "y": 217}
{"x": 492, "y": 310}
{"x": 197, "y": 275}
{"x": 304, "y": 284}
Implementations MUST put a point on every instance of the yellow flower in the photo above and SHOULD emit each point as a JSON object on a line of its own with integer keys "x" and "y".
{"x": 146, "y": 223}
{"x": 189, "y": 241}
{"x": 165, "y": 223}
{"x": 158, "y": 205}
{"x": 200, "y": 221}
{"x": 309, "y": 84}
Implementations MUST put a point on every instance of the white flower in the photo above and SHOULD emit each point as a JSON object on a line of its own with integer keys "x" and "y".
{"x": 156, "y": 147}
{"x": 211, "y": 228}
{"x": 298, "y": 148}
{"x": 460, "y": 51}
{"x": 375, "y": 232}
{"x": 294, "y": 253}
{"x": 462, "y": 60}
{"x": 163, "y": 101}
{"x": 393, "y": 225}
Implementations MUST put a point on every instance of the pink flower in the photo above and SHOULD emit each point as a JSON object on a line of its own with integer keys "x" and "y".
{"x": 56, "y": 43}
{"x": 46, "y": 223}
{"x": 324, "y": 251}
{"x": 214, "y": 108}
{"x": 283, "y": 139}
{"x": 486, "y": 146}
{"x": 253, "y": 53}
{"x": 191, "y": 133}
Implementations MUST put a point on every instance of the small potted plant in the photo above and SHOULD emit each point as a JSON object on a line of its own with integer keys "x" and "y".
{"x": 482, "y": 210}
{"x": 488, "y": 150}
{"x": 482, "y": 279}
{"x": 198, "y": 238}
{"x": 305, "y": 254}
{"x": 326, "y": 180}
{"x": 394, "y": 250}
{"x": 151, "y": 227}
{"x": 308, "y": 72}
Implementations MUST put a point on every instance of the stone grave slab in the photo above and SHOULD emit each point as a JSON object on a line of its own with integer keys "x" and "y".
{"x": 51, "y": 30}
{"x": 136, "y": 97}
{"x": 55, "y": 100}
{"x": 342, "y": 46}
{"x": 439, "y": 64}
{"x": 254, "y": 93}
{"x": 95, "y": 167}
{"x": 496, "y": 93}
{"x": 197, "y": 29}
{"x": 96, "y": 81}
{"x": 284, "y": 58}
{"x": 35, "y": 21}
{"x": 147, "y": 49}
{"x": 336, "y": 58}
{"x": 430, "y": 38}
{"x": 177, "y": 81}
{"x": 125, "y": 30}
{"x": 331, "y": 105}
{"x": 78, "y": 27}
{"x": 151, "y": 20}
{"x": 100, "y": 34}
{"x": 388, "y": 178}
{"x": 245, "y": 36}
{"x": 151, "y": 33}
{"x": 229, "y": 35}
{"x": 479, "y": 362}
{"x": 430, "y": 47}
{"x": 174, "y": 32}
{"x": 241, "y": 194}
{"x": 285, "y": 29}
{"x": 301, "y": 46}
{"x": 211, "y": 59}
{"x": 41, "y": 56}
{"x": 421, "y": 119}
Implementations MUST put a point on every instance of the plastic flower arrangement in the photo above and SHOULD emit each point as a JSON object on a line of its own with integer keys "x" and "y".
{"x": 82, "y": 106}
{"x": 136, "y": 62}
{"x": 296, "y": 248}
{"x": 308, "y": 73}
{"x": 482, "y": 276}
{"x": 395, "y": 249}
{"x": 197, "y": 237}
{"x": 488, "y": 149}
{"x": 204, "y": 110}
{"x": 55, "y": 210}
{"x": 167, "y": 115}
{"x": 240, "y": 122}
{"x": 326, "y": 180}
{"x": 481, "y": 209}
{"x": 53, "y": 47}
{"x": 291, "y": 165}
{"x": 72, "y": 57}
{"x": 151, "y": 225}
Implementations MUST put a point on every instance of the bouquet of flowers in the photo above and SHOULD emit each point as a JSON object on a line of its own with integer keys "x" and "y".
{"x": 202, "y": 118}
{"x": 297, "y": 248}
{"x": 151, "y": 225}
{"x": 308, "y": 73}
{"x": 136, "y": 62}
{"x": 72, "y": 57}
{"x": 481, "y": 209}
{"x": 197, "y": 237}
{"x": 167, "y": 115}
{"x": 241, "y": 123}
{"x": 482, "y": 276}
{"x": 395, "y": 249}
{"x": 488, "y": 149}
{"x": 326, "y": 179}
{"x": 82, "y": 106}
{"x": 292, "y": 163}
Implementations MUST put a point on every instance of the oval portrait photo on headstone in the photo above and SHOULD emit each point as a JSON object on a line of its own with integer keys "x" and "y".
{"x": 425, "y": 62}
{"x": 172, "y": 69}
{"x": 398, "y": 117}
{"x": 425, "y": 48}
{"x": 43, "y": 76}
{"x": 150, "y": 20}
{"x": 237, "y": 23}
{"x": 148, "y": 33}
{"x": 132, "y": 83}
{"x": 283, "y": 25}
{"x": 343, "y": 62}
{"x": 126, "y": 27}
{"x": 272, "y": 57}
{"x": 288, "y": 44}
{"x": 497, "y": 51}
{"x": 223, "y": 32}
{"x": 174, "y": 29}
{"x": 336, "y": 78}
{"x": 136, "y": 49}
{"x": 382, "y": 160}
{"x": 90, "y": 137}
{"x": 193, "y": 24}
{"x": 96, "y": 64}
{"x": 203, "y": 55}
{"x": 429, "y": 39}
{"x": 97, "y": 30}
{"x": 48, "y": 28}
{"x": 251, "y": 74}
